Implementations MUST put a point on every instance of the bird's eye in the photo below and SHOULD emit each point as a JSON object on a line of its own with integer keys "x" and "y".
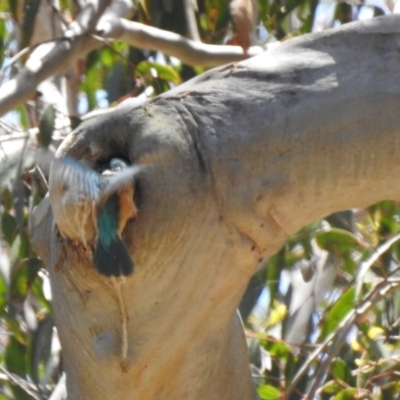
{"x": 117, "y": 164}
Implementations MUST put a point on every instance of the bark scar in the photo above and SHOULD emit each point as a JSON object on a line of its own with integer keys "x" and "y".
{"x": 117, "y": 283}
{"x": 275, "y": 221}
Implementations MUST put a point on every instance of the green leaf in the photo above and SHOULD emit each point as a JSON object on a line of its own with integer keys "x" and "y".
{"x": 9, "y": 227}
{"x": 31, "y": 8}
{"x": 278, "y": 349}
{"x": 46, "y": 126}
{"x": 3, "y": 295}
{"x": 390, "y": 390}
{"x": 5, "y": 6}
{"x": 2, "y": 39}
{"x": 15, "y": 361}
{"x": 107, "y": 57}
{"x": 40, "y": 347}
{"x": 14, "y": 325}
{"x": 338, "y": 312}
{"x": 165, "y": 72}
{"x": 267, "y": 392}
{"x": 346, "y": 394}
{"x": 160, "y": 86}
{"x": 22, "y": 277}
{"x": 20, "y": 247}
{"x": 340, "y": 369}
{"x": 337, "y": 240}
{"x": 349, "y": 265}
{"x": 37, "y": 291}
{"x": 91, "y": 81}
{"x": 6, "y": 199}
{"x": 331, "y": 387}
{"x": 23, "y": 116}
{"x": 15, "y": 357}
{"x": 18, "y": 192}
{"x": 75, "y": 121}
{"x": 273, "y": 270}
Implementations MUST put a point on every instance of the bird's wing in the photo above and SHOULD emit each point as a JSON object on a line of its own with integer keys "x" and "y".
{"x": 118, "y": 180}
{"x": 73, "y": 175}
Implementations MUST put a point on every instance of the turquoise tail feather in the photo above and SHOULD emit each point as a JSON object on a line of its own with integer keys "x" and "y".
{"x": 111, "y": 257}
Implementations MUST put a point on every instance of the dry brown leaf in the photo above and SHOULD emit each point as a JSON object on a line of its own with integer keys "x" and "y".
{"x": 244, "y": 15}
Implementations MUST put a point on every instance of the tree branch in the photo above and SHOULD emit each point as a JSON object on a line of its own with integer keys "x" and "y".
{"x": 48, "y": 59}
{"x": 188, "y": 51}
{"x": 52, "y": 57}
{"x": 248, "y": 167}
{"x": 191, "y": 20}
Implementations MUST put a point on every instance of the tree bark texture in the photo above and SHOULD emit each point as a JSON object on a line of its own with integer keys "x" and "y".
{"x": 245, "y": 155}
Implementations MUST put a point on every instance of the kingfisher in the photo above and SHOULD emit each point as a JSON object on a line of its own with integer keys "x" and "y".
{"x": 81, "y": 197}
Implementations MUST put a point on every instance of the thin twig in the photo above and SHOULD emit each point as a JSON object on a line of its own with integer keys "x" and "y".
{"x": 9, "y": 128}
{"x": 109, "y": 44}
{"x": 58, "y": 13}
{"x": 191, "y": 20}
{"x": 124, "y": 318}
{"x": 366, "y": 265}
{"x": 21, "y": 383}
{"x": 30, "y": 48}
{"x": 47, "y": 59}
{"x": 13, "y": 136}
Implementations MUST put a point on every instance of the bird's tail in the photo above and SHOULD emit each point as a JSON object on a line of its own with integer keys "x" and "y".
{"x": 113, "y": 259}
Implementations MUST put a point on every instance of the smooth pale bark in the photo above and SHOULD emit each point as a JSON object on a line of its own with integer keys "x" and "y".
{"x": 246, "y": 155}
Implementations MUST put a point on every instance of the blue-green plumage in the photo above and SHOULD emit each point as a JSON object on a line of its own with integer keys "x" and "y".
{"x": 111, "y": 258}
{"x": 112, "y": 196}
{"x": 107, "y": 223}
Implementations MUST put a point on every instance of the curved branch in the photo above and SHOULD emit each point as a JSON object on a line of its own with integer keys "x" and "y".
{"x": 49, "y": 58}
{"x": 188, "y": 51}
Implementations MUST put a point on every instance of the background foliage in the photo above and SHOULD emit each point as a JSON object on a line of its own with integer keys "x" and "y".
{"x": 322, "y": 316}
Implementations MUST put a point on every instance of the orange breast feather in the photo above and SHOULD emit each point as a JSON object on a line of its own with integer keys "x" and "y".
{"x": 127, "y": 209}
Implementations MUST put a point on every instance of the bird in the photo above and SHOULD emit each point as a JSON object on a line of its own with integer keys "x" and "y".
{"x": 81, "y": 197}
{"x": 114, "y": 208}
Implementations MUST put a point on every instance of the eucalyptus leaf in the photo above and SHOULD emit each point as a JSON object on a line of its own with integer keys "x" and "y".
{"x": 2, "y": 39}
{"x": 337, "y": 240}
{"x": 165, "y": 72}
{"x": 46, "y": 126}
{"x": 267, "y": 392}
{"x": 346, "y": 394}
{"x": 40, "y": 347}
{"x": 15, "y": 361}
{"x": 31, "y": 8}
{"x": 9, "y": 227}
{"x": 338, "y": 312}
{"x": 331, "y": 387}
{"x": 340, "y": 370}
{"x": 6, "y": 198}
{"x": 22, "y": 277}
